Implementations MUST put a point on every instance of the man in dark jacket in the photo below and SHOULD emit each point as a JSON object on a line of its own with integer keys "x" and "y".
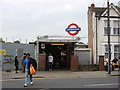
{"x": 114, "y": 63}
{"x": 27, "y": 62}
{"x": 16, "y": 64}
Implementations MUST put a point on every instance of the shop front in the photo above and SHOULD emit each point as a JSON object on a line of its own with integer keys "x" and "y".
{"x": 61, "y": 48}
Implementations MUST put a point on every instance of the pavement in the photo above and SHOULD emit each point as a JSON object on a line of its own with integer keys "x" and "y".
{"x": 60, "y": 74}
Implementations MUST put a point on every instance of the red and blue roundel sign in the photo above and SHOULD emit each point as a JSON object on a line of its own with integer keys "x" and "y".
{"x": 70, "y": 30}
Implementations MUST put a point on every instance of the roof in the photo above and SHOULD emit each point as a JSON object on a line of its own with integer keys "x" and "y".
{"x": 100, "y": 10}
{"x": 58, "y": 39}
{"x": 118, "y": 8}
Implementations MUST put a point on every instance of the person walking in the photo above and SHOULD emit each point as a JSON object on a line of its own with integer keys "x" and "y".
{"x": 27, "y": 62}
{"x": 50, "y": 59}
{"x": 16, "y": 64}
{"x": 23, "y": 67}
{"x": 114, "y": 63}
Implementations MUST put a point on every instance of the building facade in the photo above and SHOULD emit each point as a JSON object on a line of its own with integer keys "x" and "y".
{"x": 67, "y": 54}
{"x": 61, "y": 48}
{"x": 97, "y": 32}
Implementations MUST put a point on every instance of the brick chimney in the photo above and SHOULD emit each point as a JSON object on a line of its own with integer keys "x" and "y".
{"x": 92, "y": 8}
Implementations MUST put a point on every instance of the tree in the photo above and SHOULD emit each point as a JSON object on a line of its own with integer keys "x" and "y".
{"x": 1, "y": 40}
{"x": 8, "y": 42}
{"x": 81, "y": 43}
{"x": 16, "y": 41}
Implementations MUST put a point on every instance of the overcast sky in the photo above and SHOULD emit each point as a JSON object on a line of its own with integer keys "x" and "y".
{"x": 27, "y": 19}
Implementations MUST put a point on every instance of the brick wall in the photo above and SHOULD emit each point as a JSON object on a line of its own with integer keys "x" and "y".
{"x": 74, "y": 63}
{"x": 90, "y": 30}
{"x": 101, "y": 63}
{"x": 42, "y": 63}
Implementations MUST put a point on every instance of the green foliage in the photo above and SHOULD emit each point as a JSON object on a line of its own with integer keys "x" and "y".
{"x": 1, "y": 40}
{"x": 93, "y": 68}
{"x": 16, "y": 41}
{"x": 80, "y": 67}
{"x": 88, "y": 67}
{"x": 81, "y": 43}
{"x": 8, "y": 42}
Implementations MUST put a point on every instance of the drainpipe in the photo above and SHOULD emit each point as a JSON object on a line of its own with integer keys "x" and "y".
{"x": 96, "y": 43}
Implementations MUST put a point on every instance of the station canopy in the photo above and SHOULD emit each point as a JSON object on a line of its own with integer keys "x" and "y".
{"x": 47, "y": 38}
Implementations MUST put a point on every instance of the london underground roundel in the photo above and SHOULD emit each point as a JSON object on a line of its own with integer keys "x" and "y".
{"x": 73, "y": 31}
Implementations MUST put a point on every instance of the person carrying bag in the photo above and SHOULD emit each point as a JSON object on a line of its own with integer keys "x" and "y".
{"x": 32, "y": 70}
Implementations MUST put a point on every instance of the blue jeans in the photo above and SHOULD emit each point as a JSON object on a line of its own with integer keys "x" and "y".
{"x": 50, "y": 65}
{"x": 27, "y": 76}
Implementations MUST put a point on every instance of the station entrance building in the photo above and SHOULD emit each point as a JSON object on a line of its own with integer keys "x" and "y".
{"x": 62, "y": 50}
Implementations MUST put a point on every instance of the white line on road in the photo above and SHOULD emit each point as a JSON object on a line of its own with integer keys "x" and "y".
{"x": 16, "y": 79}
{"x": 103, "y": 84}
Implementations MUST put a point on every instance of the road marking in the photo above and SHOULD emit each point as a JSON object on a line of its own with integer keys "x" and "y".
{"x": 16, "y": 79}
{"x": 103, "y": 84}
{"x": 9, "y": 80}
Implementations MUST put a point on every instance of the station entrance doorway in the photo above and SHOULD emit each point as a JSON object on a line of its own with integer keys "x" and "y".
{"x": 61, "y": 53}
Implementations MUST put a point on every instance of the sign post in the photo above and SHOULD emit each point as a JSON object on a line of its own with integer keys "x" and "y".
{"x": 70, "y": 30}
{"x": 73, "y": 30}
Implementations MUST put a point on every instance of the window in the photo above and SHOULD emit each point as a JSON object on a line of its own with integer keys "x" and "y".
{"x": 117, "y": 51}
{"x": 105, "y": 23}
{"x": 106, "y": 55}
{"x": 117, "y": 48}
{"x": 116, "y": 23}
{"x": 106, "y": 48}
{"x": 105, "y": 31}
{"x": 116, "y": 27}
{"x": 105, "y": 27}
{"x": 106, "y": 51}
{"x": 116, "y": 31}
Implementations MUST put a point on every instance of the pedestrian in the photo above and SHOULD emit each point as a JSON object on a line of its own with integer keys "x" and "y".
{"x": 27, "y": 62}
{"x": 16, "y": 64}
{"x": 50, "y": 60}
{"x": 114, "y": 62}
{"x": 34, "y": 63}
{"x": 23, "y": 58}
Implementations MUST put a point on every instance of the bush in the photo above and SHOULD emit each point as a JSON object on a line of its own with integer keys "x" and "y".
{"x": 88, "y": 67}
{"x": 80, "y": 67}
{"x": 93, "y": 67}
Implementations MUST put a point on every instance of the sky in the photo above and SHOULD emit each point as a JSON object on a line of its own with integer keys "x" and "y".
{"x": 26, "y": 19}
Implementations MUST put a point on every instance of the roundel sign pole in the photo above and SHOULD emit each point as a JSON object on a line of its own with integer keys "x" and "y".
{"x": 70, "y": 30}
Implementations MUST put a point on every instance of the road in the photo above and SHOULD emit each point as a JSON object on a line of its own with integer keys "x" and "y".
{"x": 109, "y": 82}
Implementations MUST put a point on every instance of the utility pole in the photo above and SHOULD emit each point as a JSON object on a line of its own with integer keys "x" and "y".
{"x": 109, "y": 47}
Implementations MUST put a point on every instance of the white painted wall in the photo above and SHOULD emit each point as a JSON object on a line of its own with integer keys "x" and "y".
{"x": 103, "y": 39}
